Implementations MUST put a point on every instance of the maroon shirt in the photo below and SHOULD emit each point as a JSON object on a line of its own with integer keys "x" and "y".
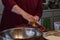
{"x": 11, "y": 19}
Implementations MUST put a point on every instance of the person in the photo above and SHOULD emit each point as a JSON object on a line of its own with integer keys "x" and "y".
{"x": 17, "y": 12}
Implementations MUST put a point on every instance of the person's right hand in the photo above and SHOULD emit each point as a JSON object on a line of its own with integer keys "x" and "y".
{"x": 29, "y": 17}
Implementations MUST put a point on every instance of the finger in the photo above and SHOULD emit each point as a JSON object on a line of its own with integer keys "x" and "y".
{"x": 36, "y": 18}
{"x": 38, "y": 23}
{"x": 31, "y": 20}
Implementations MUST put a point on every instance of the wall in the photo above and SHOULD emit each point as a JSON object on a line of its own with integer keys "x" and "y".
{"x": 53, "y": 14}
{"x": 1, "y": 9}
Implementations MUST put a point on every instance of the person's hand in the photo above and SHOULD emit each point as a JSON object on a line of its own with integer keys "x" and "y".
{"x": 29, "y": 17}
{"x": 36, "y": 18}
{"x": 42, "y": 28}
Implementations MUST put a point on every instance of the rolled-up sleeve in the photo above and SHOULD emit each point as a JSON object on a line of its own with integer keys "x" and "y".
{"x": 8, "y": 4}
{"x": 39, "y": 8}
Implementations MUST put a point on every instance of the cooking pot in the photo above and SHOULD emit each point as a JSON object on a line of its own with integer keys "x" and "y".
{"x": 20, "y": 33}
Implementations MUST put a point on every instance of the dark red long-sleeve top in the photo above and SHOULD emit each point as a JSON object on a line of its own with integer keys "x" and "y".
{"x": 11, "y": 19}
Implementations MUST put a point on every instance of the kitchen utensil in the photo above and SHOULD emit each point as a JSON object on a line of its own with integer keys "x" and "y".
{"x": 20, "y": 33}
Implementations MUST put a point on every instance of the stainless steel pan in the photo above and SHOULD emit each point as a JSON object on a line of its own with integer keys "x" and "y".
{"x": 20, "y": 33}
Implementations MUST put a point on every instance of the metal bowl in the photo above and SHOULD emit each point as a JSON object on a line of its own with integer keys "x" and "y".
{"x": 20, "y": 33}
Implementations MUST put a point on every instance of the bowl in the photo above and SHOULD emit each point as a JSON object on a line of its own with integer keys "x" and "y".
{"x": 20, "y": 33}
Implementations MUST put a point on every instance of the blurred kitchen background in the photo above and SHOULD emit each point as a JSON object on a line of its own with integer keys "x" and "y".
{"x": 51, "y": 14}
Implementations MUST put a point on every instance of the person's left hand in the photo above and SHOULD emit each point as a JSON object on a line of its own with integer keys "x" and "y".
{"x": 36, "y": 18}
{"x": 42, "y": 27}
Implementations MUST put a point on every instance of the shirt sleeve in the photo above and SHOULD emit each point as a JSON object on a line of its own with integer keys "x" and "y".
{"x": 39, "y": 8}
{"x": 8, "y": 4}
